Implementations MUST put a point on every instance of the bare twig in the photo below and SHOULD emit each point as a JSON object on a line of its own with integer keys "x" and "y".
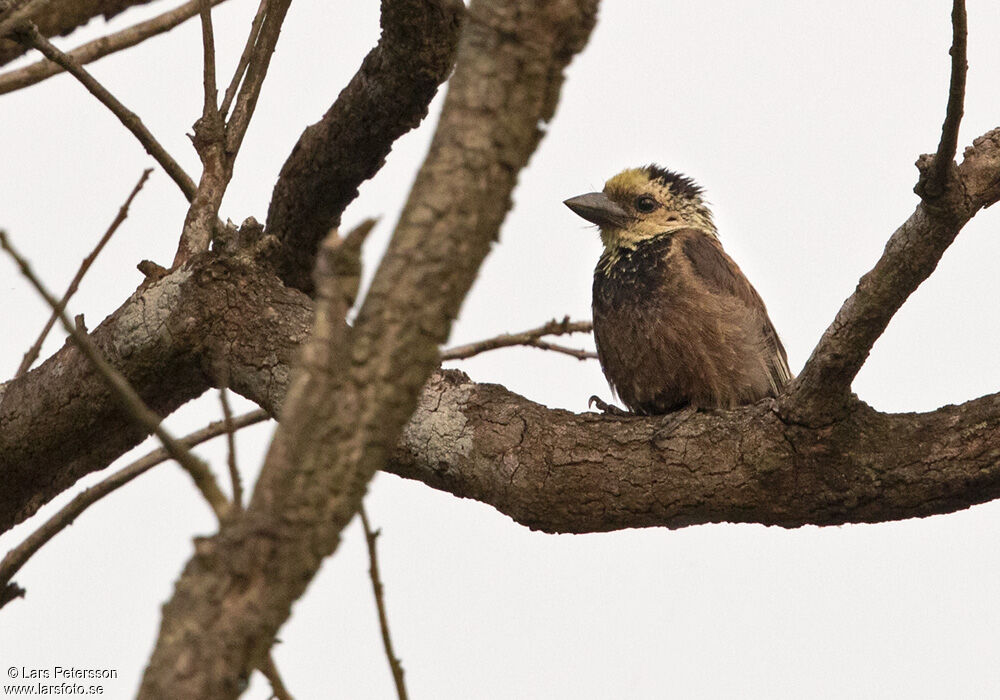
{"x": 383, "y": 619}
{"x": 32, "y": 354}
{"x": 127, "y": 396}
{"x": 241, "y": 67}
{"x": 945, "y": 155}
{"x": 33, "y": 37}
{"x": 270, "y": 671}
{"x": 16, "y": 558}
{"x": 210, "y": 106}
{"x": 218, "y": 143}
{"x": 821, "y": 392}
{"x": 98, "y": 48}
{"x": 234, "y": 472}
{"x": 531, "y": 338}
{"x": 260, "y": 59}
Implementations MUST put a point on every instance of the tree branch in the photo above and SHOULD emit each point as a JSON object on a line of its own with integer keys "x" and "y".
{"x": 128, "y": 118}
{"x": 530, "y": 338}
{"x": 32, "y": 354}
{"x": 60, "y": 17}
{"x": 244, "y": 62}
{"x": 387, "y": 97}
{"x": 562, "y": 472}
{"x": 945, "y": 156}
{"x": 820, "y": 394}
{"x": 383, "y": 618}
{"x": 133, "y": 404}
{"x": 166, "y": 340}
{"x": 99, "y": 48}
{"x": 17, "y": 557}
{"x": 352, "y": 392}
{"x": 218, "y": 141}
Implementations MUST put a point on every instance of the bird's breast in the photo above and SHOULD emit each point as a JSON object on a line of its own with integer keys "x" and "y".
{"x": 631, "y": 277}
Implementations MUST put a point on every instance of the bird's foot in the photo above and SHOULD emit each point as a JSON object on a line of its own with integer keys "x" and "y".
{"x": 606, "y": 408}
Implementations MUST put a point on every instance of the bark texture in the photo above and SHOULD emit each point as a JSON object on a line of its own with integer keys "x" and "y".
{"x": 167, "y": 339}
{"x": 354, "y": 388}
{"x": 387, "y": 97}
{"x": 562, "y": 472}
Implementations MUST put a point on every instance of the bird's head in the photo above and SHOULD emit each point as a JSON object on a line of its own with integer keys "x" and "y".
{"x": 642, "y": 203}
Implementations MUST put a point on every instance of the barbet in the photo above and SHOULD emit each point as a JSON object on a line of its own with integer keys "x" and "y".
{"x": 676, "y": 321}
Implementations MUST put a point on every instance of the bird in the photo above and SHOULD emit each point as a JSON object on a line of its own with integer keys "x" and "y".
{"x": 676, "y": 322}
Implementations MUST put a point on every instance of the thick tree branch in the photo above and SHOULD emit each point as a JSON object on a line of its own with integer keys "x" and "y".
{"x": 352, "y": 392}
{"x": 126, "y": 395}
{"x": 821, "y": 392}
{"x": 386, "y": 98}
{"x": 99, "y": 48}
{"x": 563, "y": 472}
{"x": 167, "y": 340}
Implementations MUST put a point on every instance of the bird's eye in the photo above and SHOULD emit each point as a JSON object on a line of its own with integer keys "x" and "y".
{"x": 645, "y": 203}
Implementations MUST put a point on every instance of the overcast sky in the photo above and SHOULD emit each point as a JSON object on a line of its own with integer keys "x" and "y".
{"x": 802, "y": 120}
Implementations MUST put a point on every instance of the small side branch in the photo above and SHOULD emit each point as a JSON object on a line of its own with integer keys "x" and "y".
{"x": 951, "y": 196}
{"x": 383, "y": 619}
{"x": 17, "y": 557}
{"x": 32, "y": 37}
{"x": 99, "y": 48}
{"x": 945, "y": 155}
{"x": 210, "y": 106}
{"x": 530, "y": 338}
{"x": 32, "y": 354}
{"x": 133, "y": 404}
{"x": 234, "y": 472}
{"x": 241, "y": 67}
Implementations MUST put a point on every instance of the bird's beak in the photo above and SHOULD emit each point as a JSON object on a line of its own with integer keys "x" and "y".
{"x": 598, "y": 209}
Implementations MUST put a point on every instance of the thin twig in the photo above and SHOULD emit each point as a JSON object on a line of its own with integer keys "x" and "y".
{"x": 260, "y": 59}
{"x": 383, "y": 620}
{"x": 32, "y": 37}
{"x": 133, "y": 404}
{"x": 948, "y": 145}
{"x": 241, "y": 67}
{"x": 578, "y": 353}
{"x": 211, "y": 105}
{"x": 19, "y": 555}
{"x": 234, "y": 472}
{"x": 270, "y": 671}
{"x": 530, "y": 338}
{"x": 32, "y": 354}
{"x": 99, "y": 48}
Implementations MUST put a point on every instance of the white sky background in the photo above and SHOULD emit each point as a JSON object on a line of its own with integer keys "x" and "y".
{"x": 802, "y": 121}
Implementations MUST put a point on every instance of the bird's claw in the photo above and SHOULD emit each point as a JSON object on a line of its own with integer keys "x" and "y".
{"x": 606, "y": 408}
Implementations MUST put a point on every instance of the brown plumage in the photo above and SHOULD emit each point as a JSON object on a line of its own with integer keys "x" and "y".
{"x": 675, "y": 320}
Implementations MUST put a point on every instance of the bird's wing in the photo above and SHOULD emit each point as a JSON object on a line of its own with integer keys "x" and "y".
{"x": 710, "y": 262}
